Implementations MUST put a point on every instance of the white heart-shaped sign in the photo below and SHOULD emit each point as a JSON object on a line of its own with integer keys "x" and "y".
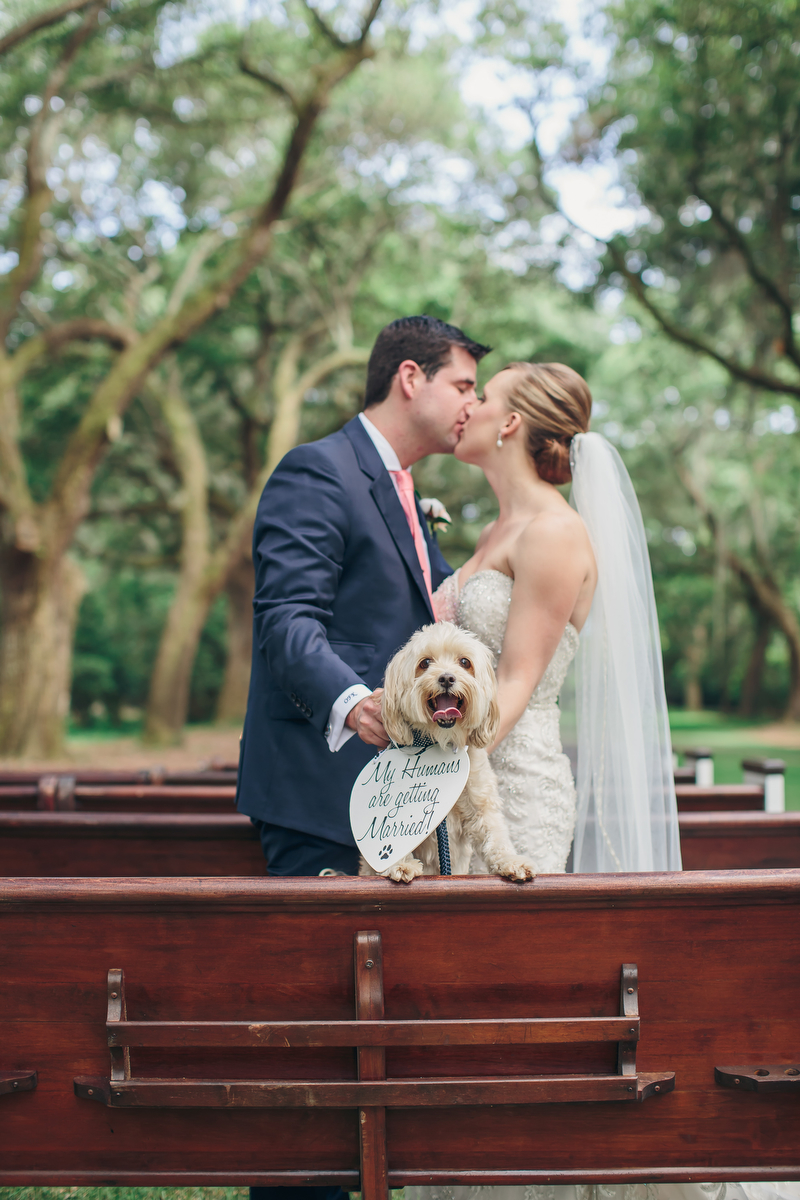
{"x": 401, "y": 796}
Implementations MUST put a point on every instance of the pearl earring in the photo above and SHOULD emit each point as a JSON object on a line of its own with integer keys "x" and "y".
{"x": 499, "y": 441}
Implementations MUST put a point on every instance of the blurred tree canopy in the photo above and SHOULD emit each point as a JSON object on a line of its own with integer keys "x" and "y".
{"x": 205, "y": 223}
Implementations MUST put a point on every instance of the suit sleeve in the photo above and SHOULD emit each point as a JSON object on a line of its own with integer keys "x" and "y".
{"x": 299, "y": 545}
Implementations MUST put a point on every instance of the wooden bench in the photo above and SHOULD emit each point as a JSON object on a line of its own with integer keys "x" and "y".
{"x": 178, "y": 844}
{"x": 765, "y": 775}
{"x": 63, "y": 794}
{"x": 64, "y": 844}
{"x": 51, "y": 795}
{"x": 720, "y": 797}
{"x": 739, "y": 840}
{"x": 221, "y": 1032}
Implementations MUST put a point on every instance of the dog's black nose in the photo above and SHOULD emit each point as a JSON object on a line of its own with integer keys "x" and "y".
{"x": 447, "y": 681}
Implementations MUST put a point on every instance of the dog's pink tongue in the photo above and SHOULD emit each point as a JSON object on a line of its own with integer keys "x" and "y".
{"x": 443, "y": 710}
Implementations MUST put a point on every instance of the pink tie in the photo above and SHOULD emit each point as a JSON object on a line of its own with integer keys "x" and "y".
{"x": 405, "y": 487}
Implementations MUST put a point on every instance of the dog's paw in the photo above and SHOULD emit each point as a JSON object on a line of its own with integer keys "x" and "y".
{"x": 516, "y": 867}
{"x": 405, "y": 870}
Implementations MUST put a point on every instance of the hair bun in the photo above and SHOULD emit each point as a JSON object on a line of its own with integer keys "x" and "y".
{"x": 552, "y": 461}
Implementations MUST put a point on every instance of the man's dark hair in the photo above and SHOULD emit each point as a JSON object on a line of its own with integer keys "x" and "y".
{"x": 427, "y": 341}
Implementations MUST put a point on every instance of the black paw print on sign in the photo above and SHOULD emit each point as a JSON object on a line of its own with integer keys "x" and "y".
{"x": 385, "y": 851}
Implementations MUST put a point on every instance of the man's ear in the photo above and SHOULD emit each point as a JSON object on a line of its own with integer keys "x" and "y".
{"x": 408, "y": 374}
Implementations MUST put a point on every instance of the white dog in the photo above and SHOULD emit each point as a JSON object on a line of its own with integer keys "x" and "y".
{"x": 442, "y": 685}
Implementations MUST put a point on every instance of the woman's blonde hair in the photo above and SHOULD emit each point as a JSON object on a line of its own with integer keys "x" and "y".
{"x": 555, "y": 403}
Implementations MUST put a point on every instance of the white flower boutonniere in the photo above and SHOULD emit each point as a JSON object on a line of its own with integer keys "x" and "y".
{"x": 436, "y": 514}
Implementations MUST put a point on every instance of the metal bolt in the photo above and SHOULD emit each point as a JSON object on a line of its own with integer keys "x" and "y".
{"x": 15, "y": 1084}
{"x": 657, "y": 1087}
{"x": 118, "y": 1094}
{"x": 113, "y": 995}
{"x": 632, "y": 1029}
{"x": 369, "y": 964}
{"x": 630, "y": 991}
{"x": 90, "y": 1091}
{"x": 630, "y": 1089}
{"x": 736, "y": 1081}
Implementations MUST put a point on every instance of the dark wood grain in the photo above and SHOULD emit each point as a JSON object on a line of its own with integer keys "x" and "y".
{"x": 459, "y": 894}
{"x": 398, "y": 1093}
{"x": 487, "y": 1032}
{"x": 170, "y": 844}
{"x": 718, "y": 958}
{"x": 371, "y": 1065}
{"x": 726, "y": 797}
{"x": 192, "y": 844}
{"x": 739, "y": 840}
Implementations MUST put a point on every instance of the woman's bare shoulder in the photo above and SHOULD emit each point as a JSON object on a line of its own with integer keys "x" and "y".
{"x": 484, "y": 534}
{"x": 552, "y": 539}
{"x": 554, "y": 525}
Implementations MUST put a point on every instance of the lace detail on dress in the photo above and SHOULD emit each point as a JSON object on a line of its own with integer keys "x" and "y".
{"x": 533, "y": 773}
{"x": 445, "y": 599}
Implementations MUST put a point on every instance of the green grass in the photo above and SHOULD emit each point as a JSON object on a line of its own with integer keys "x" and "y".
{"x": 727, "y": 737}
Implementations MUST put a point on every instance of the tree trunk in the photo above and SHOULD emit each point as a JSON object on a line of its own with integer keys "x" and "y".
{"x": 694, "y": 659}
{"x": 232, "y": 702}
{"x": 755, "y": 667}
{"x": 767, "y": 596}
{"x": 40, "y": 597}
{"x": 168, "y": 700}
{"x": 203, "y": 573}
{"x": 40, "y": 600}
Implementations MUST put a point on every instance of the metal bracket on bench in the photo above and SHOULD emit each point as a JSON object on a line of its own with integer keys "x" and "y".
{"x": 371, "y": 1033}
{"x": 784, "y": 1077}
{"x": 17, "y": 1081}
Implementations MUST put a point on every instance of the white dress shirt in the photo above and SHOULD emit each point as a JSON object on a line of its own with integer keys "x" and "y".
{"x": 337, "y": 733}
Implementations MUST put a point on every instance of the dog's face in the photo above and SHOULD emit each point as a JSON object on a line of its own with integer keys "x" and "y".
{"x": 442, "y": 684}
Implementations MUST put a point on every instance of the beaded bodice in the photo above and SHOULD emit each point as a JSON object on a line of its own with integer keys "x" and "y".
{"x": 482, "y": 607}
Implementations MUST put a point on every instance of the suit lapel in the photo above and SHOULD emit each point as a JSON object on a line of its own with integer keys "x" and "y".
{"x": 388, "y": 503}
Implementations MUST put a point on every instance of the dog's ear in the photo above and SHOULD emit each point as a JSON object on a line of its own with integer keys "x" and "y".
{"x": 486, "y": 731}
{"x": 395, "y": 686}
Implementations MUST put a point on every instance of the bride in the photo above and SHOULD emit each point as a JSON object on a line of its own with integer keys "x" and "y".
{"x": 548, "y": 584}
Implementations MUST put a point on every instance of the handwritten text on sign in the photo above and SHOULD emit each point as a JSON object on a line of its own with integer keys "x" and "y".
{"x": 401, "y": 796}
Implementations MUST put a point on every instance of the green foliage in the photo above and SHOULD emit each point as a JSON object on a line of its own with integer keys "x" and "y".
{"x": 408, "y": 203}
{"x": 702, "y": 108}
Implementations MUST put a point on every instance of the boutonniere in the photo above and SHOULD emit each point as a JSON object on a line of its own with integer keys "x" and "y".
{"x": 436, "y": 514}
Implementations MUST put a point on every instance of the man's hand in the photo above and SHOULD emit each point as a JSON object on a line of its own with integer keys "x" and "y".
{"x": 365, "y": 719}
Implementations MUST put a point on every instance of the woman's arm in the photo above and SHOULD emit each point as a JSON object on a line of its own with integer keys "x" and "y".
{"x": 550, "y": 561}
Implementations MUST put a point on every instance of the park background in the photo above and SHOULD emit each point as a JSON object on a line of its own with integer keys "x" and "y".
{"x": 208, "y": 211}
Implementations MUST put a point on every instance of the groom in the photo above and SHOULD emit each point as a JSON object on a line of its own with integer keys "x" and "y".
{"x": 345, "y": 569}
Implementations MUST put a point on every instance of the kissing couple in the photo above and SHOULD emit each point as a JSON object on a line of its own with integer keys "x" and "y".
{"x": 346, "y": 571}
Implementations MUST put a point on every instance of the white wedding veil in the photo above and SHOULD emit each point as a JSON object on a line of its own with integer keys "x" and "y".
{"x": 627, "y": 814}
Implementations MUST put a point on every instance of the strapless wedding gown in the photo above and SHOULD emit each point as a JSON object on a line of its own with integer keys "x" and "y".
{"x": 538, "y": 794}
{"x": 533, "y": 773}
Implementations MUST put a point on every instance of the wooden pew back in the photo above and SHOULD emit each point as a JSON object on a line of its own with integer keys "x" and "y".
{"x": 182, "y": 844}
{"x": 131, "y": 844}
{"x": 718, "y": 968}
{"x": 712, "y": 841}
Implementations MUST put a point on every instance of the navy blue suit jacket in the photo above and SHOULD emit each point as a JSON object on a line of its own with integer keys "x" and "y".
{"x": 339, "y": 589}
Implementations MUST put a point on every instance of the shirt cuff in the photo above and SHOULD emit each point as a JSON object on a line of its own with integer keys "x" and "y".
{"x": 337, "y": 733}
